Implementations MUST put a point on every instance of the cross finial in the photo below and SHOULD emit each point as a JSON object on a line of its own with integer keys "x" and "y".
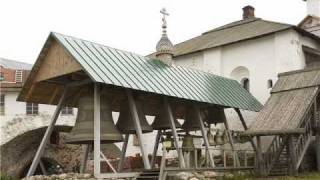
{"x": 164, "y": 12}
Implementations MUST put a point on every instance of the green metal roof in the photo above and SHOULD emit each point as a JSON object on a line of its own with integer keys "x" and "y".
{"x": 120, "y": 68}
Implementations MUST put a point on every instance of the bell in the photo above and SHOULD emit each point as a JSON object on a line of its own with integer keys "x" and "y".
{"x": 211, "y": 140}
{"x": 215, "y": 115}
{"x": 218, "y": 138}
{"x": 225, "y": 137}
{"x": 162, "y": 122}
{"x": 187, "y": 142}
{"x": 82, "y": 132}
{"x": 167, "y": 142}
{"x": 125, "y": 122}
{"x": 191, "y": 122}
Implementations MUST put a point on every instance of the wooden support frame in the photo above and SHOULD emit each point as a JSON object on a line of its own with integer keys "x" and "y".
{"x": 245, "y": 127}
{"x": 292, "y": 156}
{"x": 85, "y": 149}
{"x": 135, "y": 117}
{"x": 174, "y": 131}
{"x": 204, "y": 134}
{"x": 47, "y": 134}
{"x": 317, "y": 132}
{"x": 155, "y": 149}
{"x": 123, "y": 152}
{"x": 226, "y": 124}
{"x": 259, "y": 160}
{"x": 97, "y": 129}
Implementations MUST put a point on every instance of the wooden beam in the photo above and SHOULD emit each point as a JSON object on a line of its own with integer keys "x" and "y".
{"x": 174, "y": 131}
{"x": 204, "y": 134}
{"x": 96, "y": 122}
{"x": 231, "y": 140}
{"x": 135, "y": 117}
{"x": 296, "y": 131}
{"x": 123, "y": 152}
{"x": 292, "y": 156}
{"x": 85, "y": 149}
{"x": 260, "y": 167}
{"x": 47, "y": 134}
{"x": 245, "y": 127}
{"x": 155, "y": 148}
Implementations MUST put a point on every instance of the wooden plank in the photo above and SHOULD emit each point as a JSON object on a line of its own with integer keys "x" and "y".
{"x": 123, "y": 152}
{"x": 96, "y": 131}
{"x": 57, "y": 62}
{"x": 135, "y": 117}
{"x": 47, "y": 135}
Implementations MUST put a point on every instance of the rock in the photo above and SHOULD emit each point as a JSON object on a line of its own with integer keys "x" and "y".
{"x": 183, "y": 176}
{"x": 229, "y": 175}
{"x": 210, "y": 174}
{"x": 193, "y": 178}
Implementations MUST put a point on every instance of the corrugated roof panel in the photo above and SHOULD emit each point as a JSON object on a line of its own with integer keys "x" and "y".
{"x": 121, "y": 68}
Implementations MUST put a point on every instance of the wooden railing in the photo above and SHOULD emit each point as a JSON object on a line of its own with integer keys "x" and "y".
{"x": 300, "y": 143}
{"x": 273, "y": 153}
{"x": 303, "y": 140}
{"x": 227, "y": 160}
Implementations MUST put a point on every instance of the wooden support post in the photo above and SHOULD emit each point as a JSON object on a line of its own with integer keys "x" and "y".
{"x": 96, "y": 122}
{"x": 135, "y": 117}
{"x": 244, "y": 124}
{"x": 85, "y": 149}
{"x": 317, "y": 133}
{"x": 43, "y": 168}
{"x": 292, "y": 156}
{"x": 231, "y": 140}
{"x": 123, "y": 153}
{"x": 204, "y": 134}
{"x": 47, "y": 134}
{"x": 174, "y": 131}
{"x": 155, "y": 149}
{"x": 108, "y": 162}
{"x": 260, "y": 167}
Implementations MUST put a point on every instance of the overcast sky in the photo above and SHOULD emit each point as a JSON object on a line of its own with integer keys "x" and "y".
{"x": 132, "y": 25}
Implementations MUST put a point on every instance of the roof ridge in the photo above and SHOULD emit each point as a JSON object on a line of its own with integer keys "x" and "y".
{"x": 100, "y": 44}
{"x": 229, "y": 25}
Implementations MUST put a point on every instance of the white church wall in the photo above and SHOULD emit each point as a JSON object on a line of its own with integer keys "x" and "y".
{"x": 257, "y": 56}
{"x": 288, "y": 51}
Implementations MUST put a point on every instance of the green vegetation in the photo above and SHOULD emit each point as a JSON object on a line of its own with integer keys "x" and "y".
{"x": 246, "y": 176}
{"x": 5, "y": 177}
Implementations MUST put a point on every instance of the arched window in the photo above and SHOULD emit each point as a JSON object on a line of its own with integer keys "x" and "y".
{"x": 270, "y": 83}
{"x": 245, "y": 83}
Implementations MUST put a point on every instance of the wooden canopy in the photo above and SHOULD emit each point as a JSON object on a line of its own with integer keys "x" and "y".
{"x": 64, "y": 60}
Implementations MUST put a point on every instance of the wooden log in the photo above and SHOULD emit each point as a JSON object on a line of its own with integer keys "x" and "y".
{"x": 96, "y": 132}
{"x": 244, "y": 124}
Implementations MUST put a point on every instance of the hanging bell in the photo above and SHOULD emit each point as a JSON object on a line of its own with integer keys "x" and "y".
{"x": 215, "y": 115}
{"x": 82, "y": 132}
{"x": 162, "y": 122}
{"x": 125, "y": 122}
{"x": 187, "y": 143}
{"x": 218, "y": 138}
{"x": 211, "y": 140}
{"x": 167, "y": 142}
{"x": 191, "y": 122}
{"x": 225, "y": 137}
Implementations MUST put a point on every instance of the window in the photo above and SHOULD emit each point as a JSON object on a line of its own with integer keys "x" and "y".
{"x": 1, "y": 77}
{"x": 2, "y": 104}
{"x": 245, "y": 83}
{"x": 32, "y": 109}
{"x": 270, "y": 83}
{"x": 18, "y": 77}
{"x": 67, "y": 111}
